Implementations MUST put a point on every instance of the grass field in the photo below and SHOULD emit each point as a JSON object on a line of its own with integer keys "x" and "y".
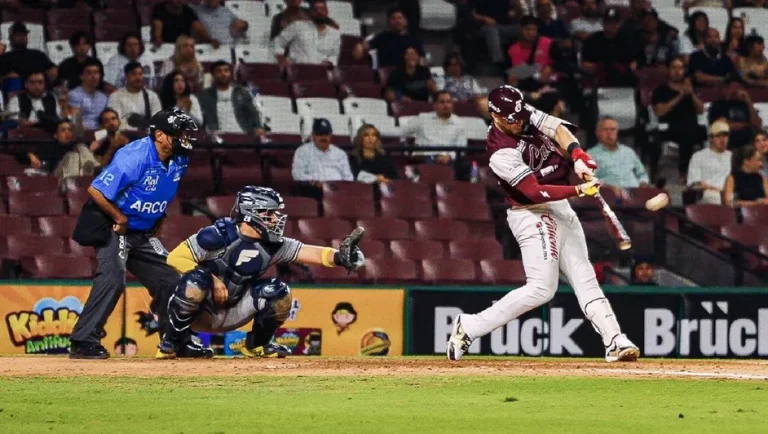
{"x": 401, "y": 395}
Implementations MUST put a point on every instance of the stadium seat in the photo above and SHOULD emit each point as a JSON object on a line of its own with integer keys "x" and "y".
{"x": 336, "y": 275}
{"x": 502, "y": 272}
{"x": 246, "y": 55}
{"x": 317, "y": 107}
{"x": 63, "y": 32}
{"x": 35, "y": 204}
{"x": 390, "y": 271}
{"x": 76, "y": 249}
{"x": 313, "y": 89}
{"x": 339, "y": 124}
{"x": 56, "y": 267}
{"x": 364, "y": 106}
{"x": 196, "y": 183}
{"x": 438, "y": 75}
{"x": 23, "y": 14}
{"x": 406, "y": 188}
{"x": 76, "y": 183}
{"x": 207, "y": 54}
{"x": 711, "y": 216}
{"x": 362, "y": 90}
{"x": 412, "y": 108}
{"x": 363, "y": 74}
{"x": 308, "y": 73}
{"x": 58, "y": 51}
{"x": 384, "y": 123}
{"x": 27, "y": 245}
{"x": 300, "y": 207}
{"x": 247, "y": 9}
{"x": 756, "y": 215}
{"x": 417, "y": 250}
{"x": 9, "y": 166}
{"x": 75, "y": 201}
{"x": 275, "y": 105}
{"x": 407, "y": 207}
{"x": 350, "y": 27}
{"x": 434, "y": 173}
{"x": 475, "y": 128}
{"x": 340, "y": 10}
{"x": 749, "y": 236}
{"x": 449, "y": 271}
{"x": 324, "y": 228}
{"x": 234, "y": 178}
{"x": 437, "y": 15}
{"x": 347, "y": 189}
{"x": 14, "y": 225}
{"x": 447, "y": 190}
{"x": 59, "y": 226}
{"x": 371, "y": 248}
{"x": 476, "y": 249}
{"x": 348, "y": 207}
{"x": 441, "y": 229}
{"x": 385, "y": 228}
{"x": 283, "y": 124}
{"x": 220, "y": 206}
{"x": 32, "y": 184}
{"x": 465, "y": 209}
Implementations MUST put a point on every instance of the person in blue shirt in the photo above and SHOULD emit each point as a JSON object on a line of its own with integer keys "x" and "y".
{"x": 127, "y": 208}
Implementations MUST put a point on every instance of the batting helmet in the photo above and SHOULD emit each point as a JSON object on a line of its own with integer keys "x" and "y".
{"x": 508, "y": 102}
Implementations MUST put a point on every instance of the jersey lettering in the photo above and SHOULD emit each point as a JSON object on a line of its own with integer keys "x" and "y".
{"x": 150, "y": 207}
{"x": 107, "y": 178}
{"x": 246, "y": 256}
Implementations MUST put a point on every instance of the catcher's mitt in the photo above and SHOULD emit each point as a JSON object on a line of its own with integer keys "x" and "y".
{"x": 350, "y": 255}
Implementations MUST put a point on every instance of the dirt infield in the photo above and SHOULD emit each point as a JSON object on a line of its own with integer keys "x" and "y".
{"x": 53, "y": 366}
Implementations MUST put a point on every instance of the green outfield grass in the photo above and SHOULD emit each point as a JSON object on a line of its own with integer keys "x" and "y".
{"x": 403, "y": 404}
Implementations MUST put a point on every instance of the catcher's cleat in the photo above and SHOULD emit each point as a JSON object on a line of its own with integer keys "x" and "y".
{"x": 166, "y": 350}
{"x": 621, "y": 349}
{"x": 194, "y": 350}
{"x": 270, "y": 351}
{"x": 459, "y": 342}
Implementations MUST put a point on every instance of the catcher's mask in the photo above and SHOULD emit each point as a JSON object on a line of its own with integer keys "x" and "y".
{"x": 259, "y": 208}
{"x": 176, "y": 124}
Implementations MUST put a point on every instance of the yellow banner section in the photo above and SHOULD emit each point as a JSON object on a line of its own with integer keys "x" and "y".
{"x": 334, "y": 322}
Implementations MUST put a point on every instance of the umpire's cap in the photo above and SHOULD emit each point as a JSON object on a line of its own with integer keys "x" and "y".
{"x": 176, "y": 124}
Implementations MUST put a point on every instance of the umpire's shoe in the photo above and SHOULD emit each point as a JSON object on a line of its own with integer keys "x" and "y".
{"x": 270, "y": 350}
{"x": 88, "y": 350}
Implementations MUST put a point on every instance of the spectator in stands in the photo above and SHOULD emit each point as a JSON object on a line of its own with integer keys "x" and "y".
{"x": 498, "y": 21}
{"x": 737, "y": 108}
{"x": 746, "y": 186}
{"x": 589, "y": 22}
{"x": 185, "y": 62}
{"x": 676, "y": 105}
{"x": 87, "y": 97}
{"x": 21, "y": 61}
{"x": 227, "y": 108}
{"x": 313, "y": 42}
{"x": 637, "y": 21}
{"x": 174, "y": 18}
{"x": 391, "y": 44}
{"x": 754, "y": 65}
{"x": 46, "y": 157}
{"x": 531, "y": 48}
{"x": 543, "y": 81}
{"x": 711, "y": 166}
{"x": 439, "y": 128}
{"x": 220, "y": 22}
{"x": 134, "y": 103}
{"x": 175, "y": 93}
{"x": 104, "y": 148}
{"x": 77, "y": 159}
{"x": 733, "y": 46}
{"x": 657, "y": 49}
{"x": 71, "y": 68}
{"x": 129, "y": 49}
{"x": 693, "y": 38}
{"x": 464, "y": 87}
{"x": 618, "y": 166}
{"x": 293, "y": 12}
{"x": 35, "y": 104}
{"x": 369, "y": 162}
{"x": 319, "y": 161}
{"x": 642, "y": 272}
{"x": 760, "y": 142}
{"x": 709, "y": 66}
{"x": 549, "y": 25}
{"x": 611, "y": 54}
{"x": 410, "y": 81}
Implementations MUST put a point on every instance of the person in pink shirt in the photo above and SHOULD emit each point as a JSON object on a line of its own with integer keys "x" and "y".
{"x": 530, "y": 42}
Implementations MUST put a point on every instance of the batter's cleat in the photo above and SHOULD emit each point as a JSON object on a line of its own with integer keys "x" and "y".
{"x": 88, "y": 351}
{"x": 270, "y": 351}
{"x": 459, "y": 342}
{"x": 621, "y": 349}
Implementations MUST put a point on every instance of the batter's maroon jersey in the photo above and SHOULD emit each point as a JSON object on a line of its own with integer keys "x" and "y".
{"x": 512, "y": 158}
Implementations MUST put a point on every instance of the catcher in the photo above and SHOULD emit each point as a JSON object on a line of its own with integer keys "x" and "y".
{"x": 221, "y": 288}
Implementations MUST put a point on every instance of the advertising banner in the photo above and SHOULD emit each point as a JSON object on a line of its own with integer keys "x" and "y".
{"x": 663, "y": 323}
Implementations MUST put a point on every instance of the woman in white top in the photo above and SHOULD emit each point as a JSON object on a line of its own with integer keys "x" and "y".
{"x": 693, "y": 38}
{"x": 175, "y": 93}
{"x": 185, "y": 61}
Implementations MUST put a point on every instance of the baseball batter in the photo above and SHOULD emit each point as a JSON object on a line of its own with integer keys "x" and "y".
{"x": 526, "y": 148}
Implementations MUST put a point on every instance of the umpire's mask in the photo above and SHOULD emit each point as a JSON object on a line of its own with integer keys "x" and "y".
{"x": 177, "y": 125}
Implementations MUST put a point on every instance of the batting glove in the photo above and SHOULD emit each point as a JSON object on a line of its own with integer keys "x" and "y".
{"x": 583, "y": 164}
{"x": 589, "y": 188}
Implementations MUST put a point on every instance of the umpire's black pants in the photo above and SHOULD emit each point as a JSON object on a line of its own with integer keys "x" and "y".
{"x": 145, "y": 257}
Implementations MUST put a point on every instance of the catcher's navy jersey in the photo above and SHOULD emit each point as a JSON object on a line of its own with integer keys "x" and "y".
{"x": 235, "y": 258}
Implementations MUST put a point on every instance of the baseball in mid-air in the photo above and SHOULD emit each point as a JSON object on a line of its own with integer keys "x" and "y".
{"x": 657, "y": 202}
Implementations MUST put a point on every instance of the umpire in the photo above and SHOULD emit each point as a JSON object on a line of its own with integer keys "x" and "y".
{"x": 126, "y": 210}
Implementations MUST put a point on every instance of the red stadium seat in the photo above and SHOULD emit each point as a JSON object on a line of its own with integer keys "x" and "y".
{"x": 466, "y": 109}
{"x": 749, "y": 236}
{"x": 76, "y": 200}
{"x": 9, "y": 166}
{"x": 234, "y": 178}
{"x": 314, "y": 89}
{"x": 348, "y": 207}
{"x": 347, "y": 189}
{"x": 259, "y": 73}
{"x": 466, "y": 209}
{"x": 711, "y": 216}
{"x": 77, "y": 183}
{"x": 417, "y": 250}
{"x": 756, "y": 215}
{"x": 76, "y": 249}
{"x": 185, "y": 225}
{"x": 412, "y": 108}
{"x": 441, "y": 229}
{"x": 476, "y": 249}
{"x": 324, "y": 228}
{"x": 307, "y": 72}
{"x": 385, "y": 228}
{"x": 407, "y": 207}
{"x": 370, "y": 248}
{"x": 301, "y": 207}
{"x": 197, "y": 182}
{"x": 35, "y": 204}
{"x": 449, "y": 271}
{"x": 112, "y": 32}
{"x": 14, "y": 225}
{"x": 59, "y": 226}
{"x": 25, "y": 15}
{"x": 116, "y": 16}
{"x": 336, "y": 275}
{"x": 362, "y": 90}
{"x": 220, "y": 206}
{"x": 446, "y": 190}
{"x": 271, "y": 87}
{"x": 406, "y": 188}
{"x": 362, "y": 74}
{"x": 20, "y": 246}
{"x": 390, "y": 271}
{"x": 57, "y": 267}
{"x": 502, "y": 272}
{"x": 434, "y": 173}
{"x": 32, "y": 184}
{"x": 62, "y": 32}
{"x": 67, "y": 16}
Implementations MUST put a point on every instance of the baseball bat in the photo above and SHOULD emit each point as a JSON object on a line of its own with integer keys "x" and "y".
{"x": 617, "y": 230}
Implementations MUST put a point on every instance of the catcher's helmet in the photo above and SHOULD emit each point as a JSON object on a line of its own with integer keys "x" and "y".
{"x": 508, "y": 102}
{"x": 176, "y": 124}
{"x": 258, "y": 207}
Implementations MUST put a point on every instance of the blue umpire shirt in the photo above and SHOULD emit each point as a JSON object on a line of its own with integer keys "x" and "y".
{"x": 140, "y": 184}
